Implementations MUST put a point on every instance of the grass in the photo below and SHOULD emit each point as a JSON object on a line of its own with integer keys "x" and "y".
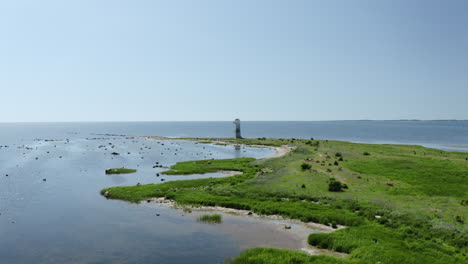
{"x": 120, "y": 171}
{"x": 403, "y": 204}
{"x": 429, "y": 176}
{"x": 213, "y": 219}
{"x": 282, "y": 256}
{"x": 206, "y": 166}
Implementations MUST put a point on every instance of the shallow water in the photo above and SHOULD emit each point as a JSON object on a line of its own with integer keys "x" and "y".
{"x": 65, "y": 220}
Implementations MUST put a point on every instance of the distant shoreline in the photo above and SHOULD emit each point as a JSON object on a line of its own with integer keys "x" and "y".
{"x": 166, "y": 121}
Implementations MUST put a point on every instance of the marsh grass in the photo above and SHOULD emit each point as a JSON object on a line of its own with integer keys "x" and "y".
{"x": 120, "y": 171}
{"x": 212, "y": 219}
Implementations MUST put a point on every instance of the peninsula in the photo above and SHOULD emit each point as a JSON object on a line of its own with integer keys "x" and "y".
{"x": 387, "y": 203}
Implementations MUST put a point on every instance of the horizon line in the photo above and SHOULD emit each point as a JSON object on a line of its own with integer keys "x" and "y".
{"x": 151, "y": 121}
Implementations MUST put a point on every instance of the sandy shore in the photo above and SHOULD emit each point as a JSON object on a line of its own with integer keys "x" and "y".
{"x": 300, "y": 233}
{"x": 322, "y": 228}
{"x": 231, "y": 173}
{"x": 280, "y": 151}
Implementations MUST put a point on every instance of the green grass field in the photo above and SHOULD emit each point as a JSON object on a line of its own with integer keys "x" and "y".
{"x": 403, "y": 204}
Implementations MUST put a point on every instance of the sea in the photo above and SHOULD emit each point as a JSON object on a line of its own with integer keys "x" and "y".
{"x": 51, "y": 174}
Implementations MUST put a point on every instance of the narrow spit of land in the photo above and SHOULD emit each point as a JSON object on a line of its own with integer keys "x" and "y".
{"x": 399, "y": 203}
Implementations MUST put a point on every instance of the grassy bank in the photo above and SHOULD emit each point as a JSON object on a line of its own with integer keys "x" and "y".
{"x": 402, "y": 203}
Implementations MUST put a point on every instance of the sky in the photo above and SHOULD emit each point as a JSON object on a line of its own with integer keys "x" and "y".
{"x": 148, "y": 60}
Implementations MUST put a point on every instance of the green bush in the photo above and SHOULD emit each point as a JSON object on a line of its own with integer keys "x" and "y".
{"x": 306, "y": 166}
{"x": 335, "y": 185}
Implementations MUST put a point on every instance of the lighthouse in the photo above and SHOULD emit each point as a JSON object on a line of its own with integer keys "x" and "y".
{"x": 238, "y": 132}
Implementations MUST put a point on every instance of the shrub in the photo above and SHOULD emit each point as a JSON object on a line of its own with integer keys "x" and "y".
{"x": 366, "y": 153}
{"x": 336, "y": 163}
{"x": 334, "y": 224}
{"x": 306, "y": 166}
{"x": 335, "y": 185}
{"x": 312, "y": 143}
{"x": 303, "y": 186}
{"x": 338, "y": 154}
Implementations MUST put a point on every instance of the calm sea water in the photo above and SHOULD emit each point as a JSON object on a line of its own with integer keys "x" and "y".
{"x": 65, "y": 220}
{"x": 449, "y": 135}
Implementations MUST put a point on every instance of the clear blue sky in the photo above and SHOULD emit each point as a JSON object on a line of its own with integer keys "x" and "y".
{"x": 114, "y": 60}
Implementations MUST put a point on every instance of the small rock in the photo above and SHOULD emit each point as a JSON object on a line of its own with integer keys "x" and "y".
{"x": 106, "y": 194}
{"x": 249, "y": 213}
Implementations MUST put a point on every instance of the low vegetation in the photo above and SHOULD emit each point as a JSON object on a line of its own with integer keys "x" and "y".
{"x": 120, "y": 171}
{"x": 281, "y": 256}
{"x": 404, "y": 204}
{"x": 213, "y": 219}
